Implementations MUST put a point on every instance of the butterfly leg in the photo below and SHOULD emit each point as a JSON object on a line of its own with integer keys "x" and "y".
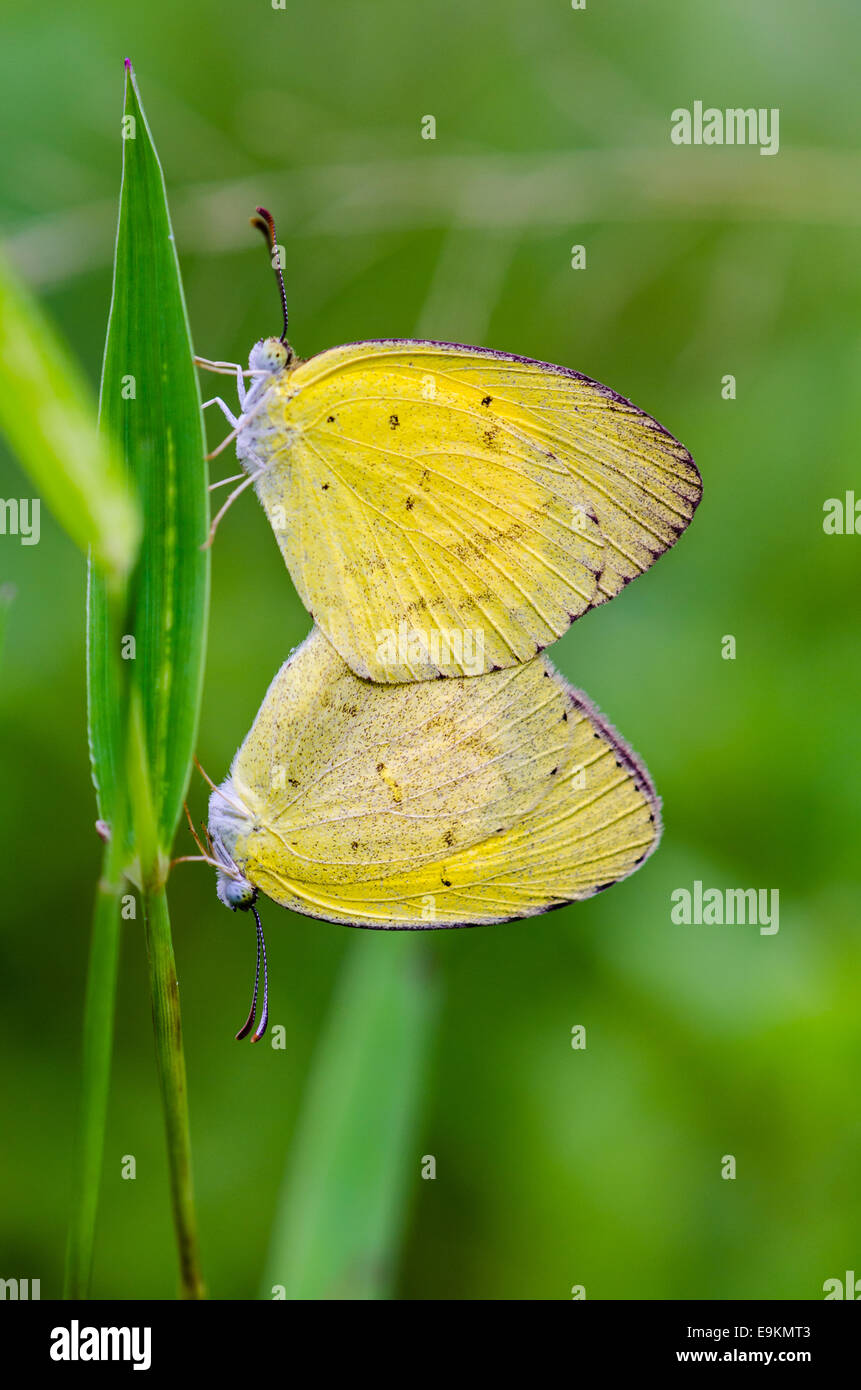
{"x": 223, "y": 482}
{"x": 224, "y": 368}
{"x": 240, "y": 387}
{"x": 224, "y": 408}
{"x": 252, "y": 477}
{"x": 237, "y": 429}
{"x": 219, "y": 448}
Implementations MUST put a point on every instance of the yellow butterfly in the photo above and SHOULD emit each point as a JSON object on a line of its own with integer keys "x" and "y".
{"x": 434, "y": 804}
{"x": 447, "y": 510}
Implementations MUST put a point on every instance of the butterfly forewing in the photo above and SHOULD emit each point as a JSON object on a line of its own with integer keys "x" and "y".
{"x": 445, "y": 509}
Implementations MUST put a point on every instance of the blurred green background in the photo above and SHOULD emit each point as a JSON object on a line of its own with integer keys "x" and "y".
{"x": 555, "y": 1167}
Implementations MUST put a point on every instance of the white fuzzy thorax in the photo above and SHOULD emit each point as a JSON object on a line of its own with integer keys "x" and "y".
{"x": 267, "y": 360}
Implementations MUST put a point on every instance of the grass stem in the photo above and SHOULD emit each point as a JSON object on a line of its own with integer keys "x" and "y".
{"x": 96, "y": 1074}
{"x": 170, "y": 1059}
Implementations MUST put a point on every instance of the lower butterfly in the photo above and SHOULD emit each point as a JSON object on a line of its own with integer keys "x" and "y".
{"x": 418, "y": 490}
{"x": 435, "y": 804}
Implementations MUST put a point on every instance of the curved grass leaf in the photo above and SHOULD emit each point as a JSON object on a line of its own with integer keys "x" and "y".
{"x": 47, "y": 413}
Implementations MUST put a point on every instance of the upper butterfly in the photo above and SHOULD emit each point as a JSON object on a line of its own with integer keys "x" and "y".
{"x": 449, "y": 510}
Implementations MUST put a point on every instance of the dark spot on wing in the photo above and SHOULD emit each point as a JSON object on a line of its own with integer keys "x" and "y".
{"x": 330, "y": 419}
{"x": 486, "y": 400}
{"x": 409, "y": 504}
{"x": 325, "y": 487}
{"x": 446, "y": 882}
{"x": 448, "y": 838}
{"x": 394, "y": 422}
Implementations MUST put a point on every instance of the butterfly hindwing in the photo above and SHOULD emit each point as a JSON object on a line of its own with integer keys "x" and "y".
{"x": 348, "y": 780}
{"x": 434, "y": 804}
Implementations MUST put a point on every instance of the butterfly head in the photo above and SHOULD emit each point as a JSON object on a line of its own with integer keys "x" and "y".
{"x": 270, "y": 355}
{"x": 235, "y": 892}
{"x": 230, "y": 821}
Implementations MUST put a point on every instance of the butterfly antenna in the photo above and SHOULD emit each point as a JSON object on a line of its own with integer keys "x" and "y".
{"x": 252, "y": 1012}
{"x": 261, "y": 947}
{"x": 265, "y": 223}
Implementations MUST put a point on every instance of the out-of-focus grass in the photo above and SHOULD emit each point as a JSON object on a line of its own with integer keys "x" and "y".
{"x": 338, "y": 1229}
{"x": 7, "y": 598}
{"x": 50, "y": 422}
{"x": 47, "y": 415}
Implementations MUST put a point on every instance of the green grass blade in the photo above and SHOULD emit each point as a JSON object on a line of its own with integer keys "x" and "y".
{"x": 145, "y": 655}
{"x": 48, "y": 416}
{"x": 150, "y": 403}
{"x": 355, "y": 1154}
{"x": 109, "y": 617}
